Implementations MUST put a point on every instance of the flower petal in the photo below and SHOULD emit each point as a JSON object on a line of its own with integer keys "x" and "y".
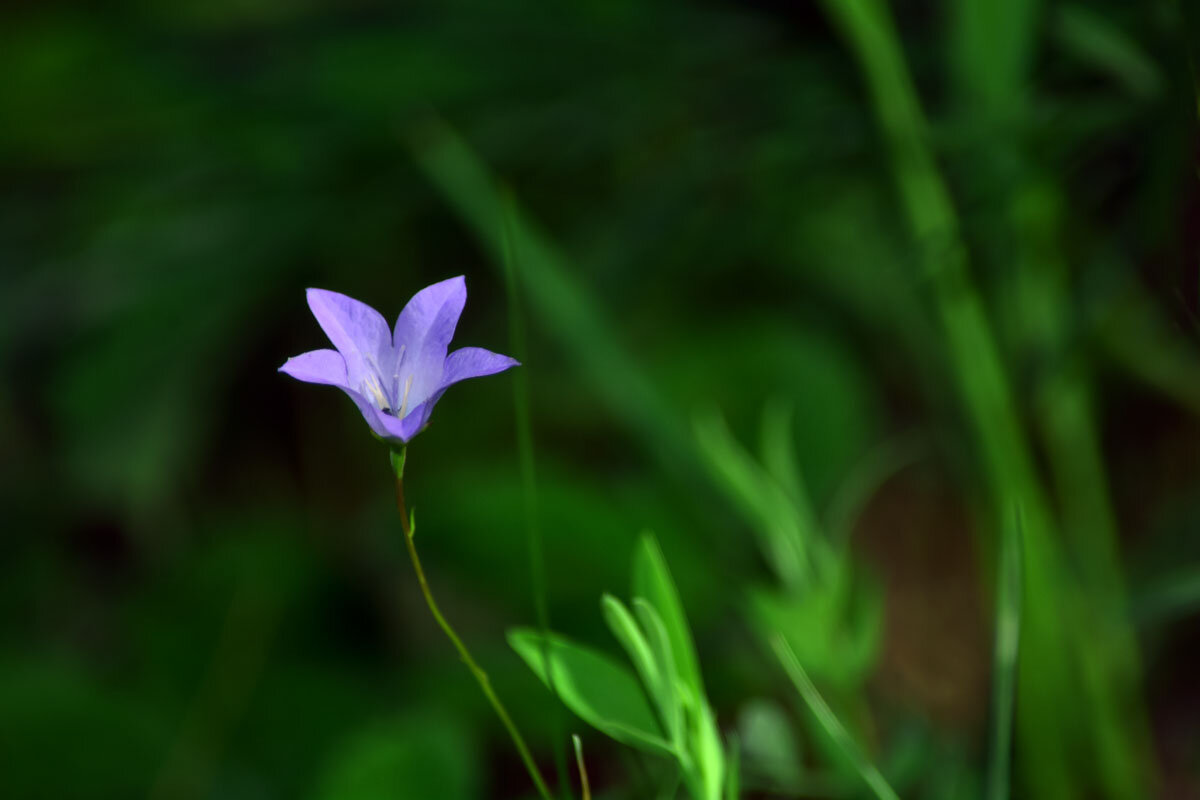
{"x": 318, "y": 366}
{"x": 415, "y": 421}
{"x": 466, "y": 362}
{"x": 384, "y": 425}
{"x": 359, "y": 332}
{"x": 474, "y": 362}
{"x": 424, "y": 329}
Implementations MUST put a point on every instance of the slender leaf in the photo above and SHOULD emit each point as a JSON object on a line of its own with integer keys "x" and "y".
{"x": 670, "y": 704}
{"x": 652, "y": 581}
{"x": 563, "y": 304}
{"x": 584, "y": 787}
{"x": 649, "y": 667}
{"x": 1004, "y": 668}
{"x": 600, "y": 691}
{"x": 1102, "y": 45}
{"x": 837, "y": 732}
{"x": 709, "y": 752}
{"x": 783, "y": 537}
{"x": 1172, "y": 596}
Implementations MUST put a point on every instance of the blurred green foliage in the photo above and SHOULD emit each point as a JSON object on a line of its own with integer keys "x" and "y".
{"x": 816, "y": 292}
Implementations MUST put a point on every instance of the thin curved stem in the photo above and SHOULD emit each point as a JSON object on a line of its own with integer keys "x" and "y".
{"x": 480, "y": 676}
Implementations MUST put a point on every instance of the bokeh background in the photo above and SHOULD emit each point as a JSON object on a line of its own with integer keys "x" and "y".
{"x": 940, "y": 258}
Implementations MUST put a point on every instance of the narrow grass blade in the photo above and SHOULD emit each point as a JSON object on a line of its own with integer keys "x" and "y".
{"x": 583, "y": 778}
{"x": 659, "y": 685}
{"x": 1053, "y": 691}
{"x": 1004, "y": 668}
{"x": 786, "y": 542}
{"x": 653, "y": 583}
{"x": 1102, "y": 45}
{"x": 527, "y": 466}
{"x": 830, "y": 723}
{"x": 560, "y": 302}
{"x": 1172, "y": 596}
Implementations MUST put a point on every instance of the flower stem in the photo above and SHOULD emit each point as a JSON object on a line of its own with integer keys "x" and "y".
{"x": 480, "y": 676}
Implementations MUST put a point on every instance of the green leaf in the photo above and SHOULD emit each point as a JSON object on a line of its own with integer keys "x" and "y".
{"x": 600, "y": 691}
{"x": 835, "y": 628}
{"x": 786, "y": 540}
{"x": 667, "y": 692}
{"x": 649, "y": 667}
{"x": 652, "y": 582}
{"x": 708, "y": 750}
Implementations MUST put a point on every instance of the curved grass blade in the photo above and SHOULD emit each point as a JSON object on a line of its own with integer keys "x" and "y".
{"x": 1004, "y": 669}
{"x": 583, "y": 778}
{"x": 830, "y": 723}
{"x": 625, "y": 628}
{"x": 653, "y": 583}
{"x": 527, "y": 468}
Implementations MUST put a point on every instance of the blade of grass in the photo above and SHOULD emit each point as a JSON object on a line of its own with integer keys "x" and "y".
{"x": 1172, "y": 597}
{"x": 1050, "y": 681}
{"x": 992, "y": 92}
{"x": 790, "y": 544}
{"x": 1093, "y": 39}
{"x": 832, "y": 726}
{"x": 865, "y": 479}
{"x": 555, "y": 294}
{"x": 777, "y": 444}
{"x": 1004, "y": 666}
{"x": 583, "y": 778}
{"x": 527, "y": 467}
{"x": 991, "y": 44}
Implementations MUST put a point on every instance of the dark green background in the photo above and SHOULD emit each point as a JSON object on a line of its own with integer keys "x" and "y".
{"x": 203, "y": 589}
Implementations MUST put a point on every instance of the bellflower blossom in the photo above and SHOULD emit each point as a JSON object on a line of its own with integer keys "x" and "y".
{"x": 394, "y": 377}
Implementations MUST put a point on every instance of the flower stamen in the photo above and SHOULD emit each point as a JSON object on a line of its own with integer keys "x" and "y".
{"x": 404, "y": 399}
{"x": 373, "y": 388}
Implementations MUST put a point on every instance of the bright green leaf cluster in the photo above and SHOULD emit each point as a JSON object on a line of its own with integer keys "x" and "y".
{"x": 660, "y": 707}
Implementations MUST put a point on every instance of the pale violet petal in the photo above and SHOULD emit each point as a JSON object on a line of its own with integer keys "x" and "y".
{"x": 424, "y": 330}
{"x": 474, "y": 362}
{"x": 318, "y": 366}
{"x": 464, "y": 363}
{"x": 416, "y": 420}
{"x": 360, "y": 334}
{"x": 383, "y": 424}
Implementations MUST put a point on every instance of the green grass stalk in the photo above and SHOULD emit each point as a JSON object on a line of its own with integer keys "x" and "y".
{"x": 1004, "y": 665}
{"x": 832, "y": 726}
{"x": 527, "y": 466}
{"x": 987, "y": 397}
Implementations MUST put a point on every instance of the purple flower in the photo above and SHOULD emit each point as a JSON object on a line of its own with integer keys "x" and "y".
{"x": 394, "y": 377}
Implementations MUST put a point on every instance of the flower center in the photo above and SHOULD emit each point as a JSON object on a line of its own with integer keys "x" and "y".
{"x": 373, "y": 389}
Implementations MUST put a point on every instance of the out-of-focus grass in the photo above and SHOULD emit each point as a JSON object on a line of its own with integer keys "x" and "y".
{"x": 201, "y": 585}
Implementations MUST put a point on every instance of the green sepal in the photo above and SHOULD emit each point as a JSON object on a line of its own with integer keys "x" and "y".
{"x": 397, "y": 455}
